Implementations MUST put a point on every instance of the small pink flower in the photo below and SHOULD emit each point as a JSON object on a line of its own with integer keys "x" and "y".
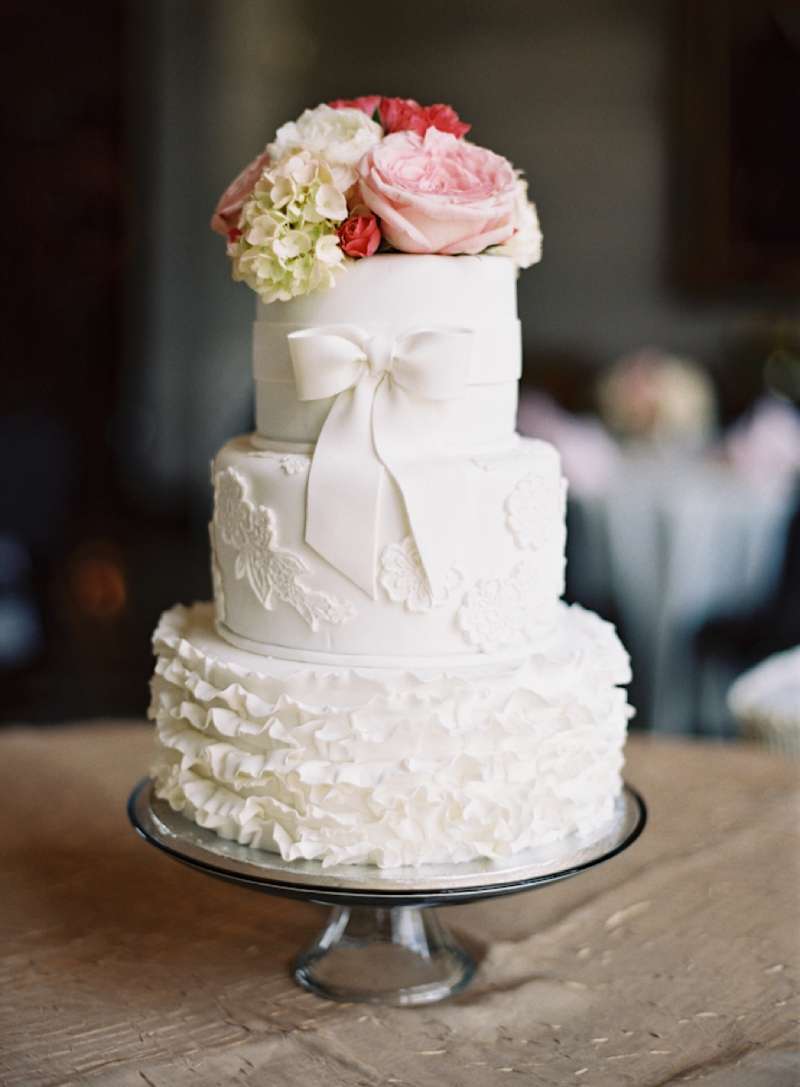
{"x": 407, "y": 115}
{"x": 229, "y": 206}
{"x": 359, "y": 235}
{"x": 367, "y": 103}
{"x": 403, "y": 115}
{"x": 446, "y": 119}
{"x": 439, "y": 194}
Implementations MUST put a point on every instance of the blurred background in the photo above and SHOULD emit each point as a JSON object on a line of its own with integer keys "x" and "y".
{"x": 661, "y": 331}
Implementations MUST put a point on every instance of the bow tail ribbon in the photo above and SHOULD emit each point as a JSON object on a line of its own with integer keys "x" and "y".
{"x": 344, "y": 488}
{"x": 441, "y": 512}
{"x": 392, "y": 403}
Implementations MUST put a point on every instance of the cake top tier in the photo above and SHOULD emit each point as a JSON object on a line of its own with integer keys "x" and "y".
{"x": 366, "y": 176}
{"x": 444, "y": 329}
{"x": 395, "y": 290}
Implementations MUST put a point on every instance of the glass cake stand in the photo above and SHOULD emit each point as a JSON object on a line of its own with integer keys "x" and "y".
{"x": 384, "y": 942}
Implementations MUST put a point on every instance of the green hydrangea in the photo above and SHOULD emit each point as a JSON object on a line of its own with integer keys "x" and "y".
{"x": 288, "y": 245}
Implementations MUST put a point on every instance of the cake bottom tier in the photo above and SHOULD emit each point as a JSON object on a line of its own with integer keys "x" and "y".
{"x": 389, "y": 767}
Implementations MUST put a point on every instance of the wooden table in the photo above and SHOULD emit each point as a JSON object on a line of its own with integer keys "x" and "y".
{"x": 673, "y": 963}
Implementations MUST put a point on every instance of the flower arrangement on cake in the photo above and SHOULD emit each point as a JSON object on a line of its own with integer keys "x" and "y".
{"x": 355, "y": 176}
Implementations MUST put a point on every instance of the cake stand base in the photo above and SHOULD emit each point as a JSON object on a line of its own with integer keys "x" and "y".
{"x": 384, "y": 942}
{"x": 404, "y": 956}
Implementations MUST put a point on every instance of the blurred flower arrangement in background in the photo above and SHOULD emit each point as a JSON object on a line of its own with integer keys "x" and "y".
{"x": 659, "y": 399}
{"x": 653, "y": 404}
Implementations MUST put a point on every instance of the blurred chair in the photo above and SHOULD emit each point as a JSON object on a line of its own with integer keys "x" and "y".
{"x": 21, "y": 634}
{"x": 37, "y": 482}
{"x": 672, "y": 543}
{"x": 729, "y": 644}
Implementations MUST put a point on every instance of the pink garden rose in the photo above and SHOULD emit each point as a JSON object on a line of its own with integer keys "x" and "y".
{"x": 225, "y": 219}
{"x": 359, "y": 234}
{"x": 439, "y": 194}
{"x": 407, "y": 115}
{"x": 367, "y": 103}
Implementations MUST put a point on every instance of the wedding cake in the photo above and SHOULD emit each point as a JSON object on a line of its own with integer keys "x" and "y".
{"x": 387, "y": 674}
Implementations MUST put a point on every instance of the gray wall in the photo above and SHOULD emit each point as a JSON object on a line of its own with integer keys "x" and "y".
{"x": 576, "y": 94}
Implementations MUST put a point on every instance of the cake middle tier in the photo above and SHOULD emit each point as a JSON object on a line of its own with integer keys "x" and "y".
{"x": 501, "y": 530}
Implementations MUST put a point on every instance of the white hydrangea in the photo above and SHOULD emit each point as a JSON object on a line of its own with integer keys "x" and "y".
{"x": 288, "y": 244}
{"x": 341, "y": 136}
{"x": 525, "y": 244}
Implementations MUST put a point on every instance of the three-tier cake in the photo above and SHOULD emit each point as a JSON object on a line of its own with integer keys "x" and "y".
{"x": 387, "y": 674}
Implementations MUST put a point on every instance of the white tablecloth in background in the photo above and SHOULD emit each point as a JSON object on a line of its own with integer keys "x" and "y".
{"x": 672, "y": 544}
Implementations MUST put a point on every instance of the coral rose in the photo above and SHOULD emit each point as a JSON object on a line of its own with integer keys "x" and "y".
{"x": 367, "y": 103}
{"x": 446, "y": 119}
{"x": 406, "y": 115}
{"x": 439, "y": 194}
{"x": 359, "y": 235}
{"x": 229, "y": 206}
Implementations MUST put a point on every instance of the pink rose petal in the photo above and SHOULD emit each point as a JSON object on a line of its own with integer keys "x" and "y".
{"x": 439, "y": 194}
{"x": 229, "y": 206}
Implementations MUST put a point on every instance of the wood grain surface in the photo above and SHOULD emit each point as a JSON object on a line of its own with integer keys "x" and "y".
{"x": 674, "y": 963}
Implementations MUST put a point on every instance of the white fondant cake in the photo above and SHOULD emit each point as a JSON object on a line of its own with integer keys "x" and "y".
{"x": 388, "y": 674}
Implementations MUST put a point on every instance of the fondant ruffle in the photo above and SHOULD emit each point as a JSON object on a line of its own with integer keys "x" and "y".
{"x": 391, "y": 768}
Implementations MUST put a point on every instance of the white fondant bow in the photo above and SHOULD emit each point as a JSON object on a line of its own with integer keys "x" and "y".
{"x": 392, "y": 398}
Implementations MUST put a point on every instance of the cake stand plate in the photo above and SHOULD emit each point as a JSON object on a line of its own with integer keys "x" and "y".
{"x": 384, "y": 942}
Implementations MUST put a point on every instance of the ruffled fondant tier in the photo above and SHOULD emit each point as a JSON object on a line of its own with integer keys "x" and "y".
{"x": 391, "y": 768}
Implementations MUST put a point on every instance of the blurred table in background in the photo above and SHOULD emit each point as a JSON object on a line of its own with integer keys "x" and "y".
{"x": 673, "y": 962}
{"x": 766, "y": 702}
{"x": 668, "y": 544}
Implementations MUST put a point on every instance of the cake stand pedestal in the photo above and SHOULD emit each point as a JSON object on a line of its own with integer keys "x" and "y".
{"x": 384, "y": 942}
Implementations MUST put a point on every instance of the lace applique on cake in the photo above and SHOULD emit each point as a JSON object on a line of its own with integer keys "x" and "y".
{"x": 293, "y": 463}
{"x": 493, "y": 462}
{"x": 271, "y": 571}
{"x": 216, "y": 580}
{"x": 403, "y": 577}
{"x": 534, "y": 511}
{"x": 290, "y": 463}
{"x": 486, "y": 464}
{"x": 499, "y": 613}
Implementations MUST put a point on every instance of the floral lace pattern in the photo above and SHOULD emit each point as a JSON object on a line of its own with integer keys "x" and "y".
{"x": 293, "y": 463}
{"x": 404, "y": 579}
{"x": 272, "y": 572}
{"x": 499, "y": 613}
{"x": 487, "y": 464}
{"x": 534, "y": 511}
{"x": 216, "y": 580}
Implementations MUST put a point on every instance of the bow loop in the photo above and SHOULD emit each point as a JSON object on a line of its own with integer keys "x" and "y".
{"x": 388, "y": 413}
{"x": 433, "y": 363}
{"x": 326, "y": 361}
